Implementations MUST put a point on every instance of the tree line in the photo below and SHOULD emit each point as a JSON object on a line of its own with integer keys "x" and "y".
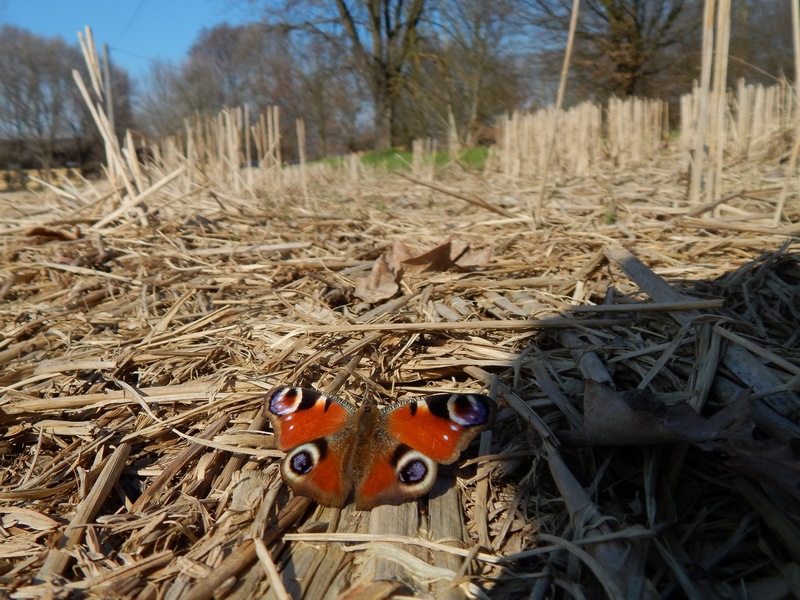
{"x": 43, "y": 120}
{"x": 374, "y": 74}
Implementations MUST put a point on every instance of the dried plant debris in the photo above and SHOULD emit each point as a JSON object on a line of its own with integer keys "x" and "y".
{"x": 638, "y": 417}
{"x": 137, "y": 347}
{"x": 384, "y": 279}
{"x": 774, "y": 278}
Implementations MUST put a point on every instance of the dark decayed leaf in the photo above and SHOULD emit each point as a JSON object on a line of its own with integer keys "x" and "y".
{"x": 636, "y": 417}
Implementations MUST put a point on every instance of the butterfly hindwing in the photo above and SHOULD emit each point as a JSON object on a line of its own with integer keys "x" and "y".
{"x": 413, "y": 437}
{"x": 394, "y": 476}
{"x": 317, "y": 471}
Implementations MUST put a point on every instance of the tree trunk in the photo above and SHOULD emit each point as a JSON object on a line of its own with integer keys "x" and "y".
{"x": 383, "y": 120}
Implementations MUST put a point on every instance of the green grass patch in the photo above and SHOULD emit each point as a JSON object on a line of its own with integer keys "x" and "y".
{"x": 474, "y": 157}
{"x": 400, "y": 160}
{"x": 390, "y": 160}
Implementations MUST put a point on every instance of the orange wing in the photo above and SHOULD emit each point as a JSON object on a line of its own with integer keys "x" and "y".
{"x": 394, "y": 478}
{"x": 318, "y": 471}
{"x": 441, "y": 426}
{"x": 413, "y": 437}
{"x": 300, "y": 415}
{"x": 314, "y": 429}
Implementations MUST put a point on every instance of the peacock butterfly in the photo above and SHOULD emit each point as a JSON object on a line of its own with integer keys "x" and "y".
{"x": 336, "y": 451}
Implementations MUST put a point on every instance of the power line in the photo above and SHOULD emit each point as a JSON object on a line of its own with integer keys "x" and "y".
{"x": 133, "y": 17}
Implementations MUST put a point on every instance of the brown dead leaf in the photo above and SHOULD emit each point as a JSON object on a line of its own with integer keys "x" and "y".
{"x": 400, "y": 253}
{"x": 380, "y": 284}
{"x": 55, "y": 233}
{"x": 12, "y": 515}
{"x": 476, "y": 258}
{"x": 636, "y": 417}
{"x": 383, "y": 281}
{"x": 766, "y": 461}
{"x": 452, "y": 253}
{"x": 435, "y": 259}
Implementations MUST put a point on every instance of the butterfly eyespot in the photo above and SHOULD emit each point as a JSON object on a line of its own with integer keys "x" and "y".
{"x": 285, "y": 400}
{"x": 303, "y": 459}
{"x": 288, "y": 400}
{"x": 413, "y": 471}
{"x": 301, "y": 463}
{"x": 413, "y": 468}
{"x": 468, "y": 410}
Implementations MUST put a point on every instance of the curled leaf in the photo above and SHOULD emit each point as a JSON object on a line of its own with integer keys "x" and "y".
{"x": 55, "y": 233}
{"x": 435, "y": 259}
{"x": 450, "y": 254}
{"x": 400, "y": 253}
{"x": 383, "y": 281}
{"x": 380, "y": 284}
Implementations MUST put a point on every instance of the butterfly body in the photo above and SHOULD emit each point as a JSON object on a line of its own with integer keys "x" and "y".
{"x": 335, "y": 451}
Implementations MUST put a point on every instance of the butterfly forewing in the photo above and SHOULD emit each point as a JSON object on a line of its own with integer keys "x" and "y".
{"x": 442, "y": 425}
{"x": 299, "y": 415}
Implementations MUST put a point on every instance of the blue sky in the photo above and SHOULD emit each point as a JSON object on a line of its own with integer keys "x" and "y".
{"x": 136, "y": 31}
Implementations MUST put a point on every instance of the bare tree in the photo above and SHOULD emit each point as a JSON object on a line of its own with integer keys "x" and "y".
{"x": 161, "y": 110}
{"x": 217, "y": 70}
{"x": 227, "y": 66}
{"x": 379, "y": 38}
{"x": 39, "y": 104}
{"x": 258, "y": 66}
{"x": 761, "y": 41}
{"x": 625, "y": 46}
{"x": 466, "y": 69}
{"x": 382, "y": 57}
{"x": 332, "y": 102}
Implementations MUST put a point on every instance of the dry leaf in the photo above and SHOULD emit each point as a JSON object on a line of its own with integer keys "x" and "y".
{"x": 476, "y": 258}
{"x": 18, "y": 548}
{"x": 762, "y": 460}
{"x": 383, "y": 281}
{"x": 12, "y": 515}
{"x": 380, "y": 284}
{"x": 55, "y": 233}
{"x": 635, "y": 417}
{"x": 436, "y": 259}
{"x": 400, "y": 253}
{"x": 452, "y": 253}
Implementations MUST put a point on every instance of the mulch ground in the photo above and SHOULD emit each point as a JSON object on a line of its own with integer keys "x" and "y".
{"x": 645, "y": 359}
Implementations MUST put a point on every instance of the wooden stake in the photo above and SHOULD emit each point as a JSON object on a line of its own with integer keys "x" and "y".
{"x": 791, "y": 167}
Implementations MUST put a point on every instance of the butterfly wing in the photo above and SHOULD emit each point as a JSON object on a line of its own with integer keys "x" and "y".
{"x": 442, "y": 425}
{"x": 394, "y": 477}
{"x": 411, "y": 439}
{"x": 314, "y": 429}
